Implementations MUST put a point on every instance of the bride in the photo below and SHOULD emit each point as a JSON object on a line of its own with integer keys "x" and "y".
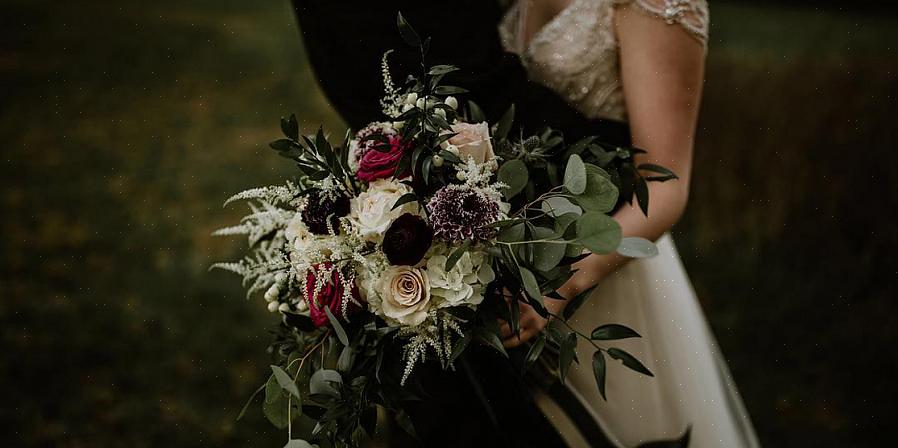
{"x": 641, "y": 61}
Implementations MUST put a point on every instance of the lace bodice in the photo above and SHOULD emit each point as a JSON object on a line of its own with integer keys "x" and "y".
{"x": 576, "y": 53}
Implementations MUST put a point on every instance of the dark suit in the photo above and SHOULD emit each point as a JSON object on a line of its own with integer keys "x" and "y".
{"x": 345, "y": 41}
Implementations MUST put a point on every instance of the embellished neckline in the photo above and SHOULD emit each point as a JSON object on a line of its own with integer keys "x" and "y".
{"x": 527, "y": 48}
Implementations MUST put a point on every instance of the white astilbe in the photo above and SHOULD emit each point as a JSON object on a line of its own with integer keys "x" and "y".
{"x": 261, "y": 269}
{"x": 274, "y": 194}
{"x": 264, "y": 220}
{"x": 392, "y": 101}
{"x": 434, "y": 335}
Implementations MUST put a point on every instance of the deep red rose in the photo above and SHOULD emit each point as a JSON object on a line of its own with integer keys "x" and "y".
{"x": 330, "y": 296}
{"x": 407, "y": 240}
{"x": 380, "y": 164}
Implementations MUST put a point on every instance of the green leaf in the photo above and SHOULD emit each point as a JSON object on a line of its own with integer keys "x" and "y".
{"x": 504, "y": 124}
{"x": 283, "y": 145}
{"x": 449, "y": 90}
{"x": 546, "y": 255}
{"x": 665, "y": 174}
{"x": 642, "y": 195}
{"x": 321, "y": 382}
{"x": 284, "y": 380}
{"x": 558, "y": 206}
{"x": 629, "y": 360}
{"x": 567, "y": 353}
{"x": 598, "y": 370}
{"x": 514, "y": 174}
{"x": 609, "y": 332}
{"x": 297, "y": 443}
{"x": 405, "y": 422}
{"x": 338, "y": 329}
{"x": 456, "y": 255}
{"x": 461, "y": 345}
{"x": 442, "y": 69}
{"x": 600, "y": 194}
{"x": 407, "y": 32}
{"x": 344, "y": 362}
{"x": 598, "y": 232}
{"x": 273, "y": 390}
{"x": 475, "y": 112}
{"x": 535, "y": 349}
{"x": 491, "y": 339}
{"x": 512, "y": 233}
{"x": 530, "y": 284}
{"x": 636, "y": 247}
{"x": 405, "y": 199}
{"x": 290, "y": 127}
{"x": 575, "y": 175}
{"x": 576, "y": 303}
{"x": 250, "y": 400}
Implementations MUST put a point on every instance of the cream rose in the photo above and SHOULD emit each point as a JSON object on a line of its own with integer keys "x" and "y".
{"x": 473, "y": 140}
{"x": 372, "y": 210}
{"x": 405, "y": 295}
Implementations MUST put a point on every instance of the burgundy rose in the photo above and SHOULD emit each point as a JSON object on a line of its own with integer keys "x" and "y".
{"x": 407, "y": 240}
{"x": 381, "y": 163}
{"x": 330, "y": 296}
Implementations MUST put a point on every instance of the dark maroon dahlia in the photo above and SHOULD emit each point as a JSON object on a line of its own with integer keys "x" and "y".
{"x": 407, "y": 240}
{"x": 323, "y": 208}
{"x": 459, "y": 212}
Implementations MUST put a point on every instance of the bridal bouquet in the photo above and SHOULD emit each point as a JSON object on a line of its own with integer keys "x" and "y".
{"x": 408, "y": 241}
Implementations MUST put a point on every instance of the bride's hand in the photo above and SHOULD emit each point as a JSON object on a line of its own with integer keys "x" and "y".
{"x": 531, "y": 323}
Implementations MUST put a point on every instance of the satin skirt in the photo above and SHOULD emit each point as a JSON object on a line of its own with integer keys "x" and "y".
{"x": 692, "y": 386}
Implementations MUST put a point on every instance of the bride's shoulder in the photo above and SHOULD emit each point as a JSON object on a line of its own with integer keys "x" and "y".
{"x": 690, "y": 14}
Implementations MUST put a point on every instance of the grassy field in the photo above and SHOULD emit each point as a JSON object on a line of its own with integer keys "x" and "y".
{"x": 124, "y": 127}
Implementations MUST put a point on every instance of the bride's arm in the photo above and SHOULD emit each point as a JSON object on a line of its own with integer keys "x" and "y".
{"x": 662, "y": 69}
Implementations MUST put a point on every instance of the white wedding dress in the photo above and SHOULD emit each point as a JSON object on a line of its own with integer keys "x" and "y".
{"x": 576, "y": 54}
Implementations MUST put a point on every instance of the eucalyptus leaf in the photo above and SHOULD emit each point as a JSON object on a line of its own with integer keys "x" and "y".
{"x": 530, "y": 284}
{"x": 546, "y": 255}
{"x": 338, "y": 328}
{"x": 557, "y": 206}
{"x": 297, "y": 443}
{"x": 600, "y": 194}
{"x": 636, "y": 247}
{"x": 575, "y": 175}
{"x": 321, "y": 382}
{"x": 491, "y": 339}
{"x": 514, "y": 174}
{"x": 284, "y": 380}
{"x": 598, "y": 232}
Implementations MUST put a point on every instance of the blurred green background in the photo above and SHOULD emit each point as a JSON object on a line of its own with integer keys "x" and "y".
{"x": 125, "y": 125}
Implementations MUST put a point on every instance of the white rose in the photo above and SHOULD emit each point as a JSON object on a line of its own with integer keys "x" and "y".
{"x": 473, "y": 140}
{"x": 464, "y": 283}
{"x": 372, "y": 209}
{"x": 405, "y": 295}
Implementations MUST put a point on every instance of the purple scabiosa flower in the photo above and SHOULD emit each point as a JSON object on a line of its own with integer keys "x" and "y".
{"x": 460, "y": 212}
{"x": 320, "y": 209}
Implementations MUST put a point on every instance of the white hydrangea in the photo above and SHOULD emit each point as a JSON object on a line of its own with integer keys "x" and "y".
{"x": 464, "y": 284}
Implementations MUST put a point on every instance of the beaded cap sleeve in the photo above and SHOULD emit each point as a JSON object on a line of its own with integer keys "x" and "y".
{"x": 690, "y": 14}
